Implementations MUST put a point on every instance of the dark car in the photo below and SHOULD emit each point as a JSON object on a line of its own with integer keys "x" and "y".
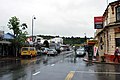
{"x": 80, "y": 52}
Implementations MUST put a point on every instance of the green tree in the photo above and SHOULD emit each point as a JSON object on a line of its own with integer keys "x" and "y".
{"x": 14, "y": 24}
{"x": 18, "y": 31}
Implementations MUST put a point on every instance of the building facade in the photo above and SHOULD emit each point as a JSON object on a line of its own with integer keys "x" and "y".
{"x": 1, "y": 34}
{"x": 109, "y": 36}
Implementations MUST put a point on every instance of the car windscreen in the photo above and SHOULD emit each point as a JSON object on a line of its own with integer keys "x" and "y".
{"x": 24, "y": 49}
{"x": 32, "y": 49}
{"x": 80, "y": 50}
{"x": 50, "y": 50}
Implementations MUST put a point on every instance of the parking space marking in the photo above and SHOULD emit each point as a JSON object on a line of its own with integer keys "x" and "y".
{"x": 70, "y": 75}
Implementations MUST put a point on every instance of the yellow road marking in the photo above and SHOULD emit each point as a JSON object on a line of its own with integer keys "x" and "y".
{"x": 70, "y": 75}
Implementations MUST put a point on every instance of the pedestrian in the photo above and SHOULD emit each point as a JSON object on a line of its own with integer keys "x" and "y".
{"x": 75, "y": 50}
{"x": 97, "y": 55}
{"x": 116, "y": 54}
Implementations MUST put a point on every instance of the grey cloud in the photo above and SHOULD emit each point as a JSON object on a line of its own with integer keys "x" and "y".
{"x": 58, "y": 17}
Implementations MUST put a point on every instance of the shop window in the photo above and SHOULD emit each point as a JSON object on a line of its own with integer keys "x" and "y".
{"x": 118, "y": 14}
{"x": 101, "y": 43}
{"x": 101, "y": 40}
{"x": 101, "y": 47}
{"x": 117, "y": 41}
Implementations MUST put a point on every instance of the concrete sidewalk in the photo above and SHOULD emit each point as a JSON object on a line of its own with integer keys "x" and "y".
{"x": 9, "y": 58}
{"x": 99, "y": 60}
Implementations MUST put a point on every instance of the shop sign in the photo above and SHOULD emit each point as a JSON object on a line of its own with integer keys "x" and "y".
{"x": 98, "y": 22}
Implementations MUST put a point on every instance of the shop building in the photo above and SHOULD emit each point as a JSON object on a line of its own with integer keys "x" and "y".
{"x": 109, "y": 36}
{"x": 6, "y": 48}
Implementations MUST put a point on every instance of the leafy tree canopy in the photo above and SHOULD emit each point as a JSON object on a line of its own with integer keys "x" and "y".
{"x": 18, "y": 29}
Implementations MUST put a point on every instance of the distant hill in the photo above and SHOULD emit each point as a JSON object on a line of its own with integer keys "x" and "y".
{"x": 47, "y": 36}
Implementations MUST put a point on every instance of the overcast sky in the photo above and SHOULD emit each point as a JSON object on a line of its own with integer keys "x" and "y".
{"x": 54, "y": 17}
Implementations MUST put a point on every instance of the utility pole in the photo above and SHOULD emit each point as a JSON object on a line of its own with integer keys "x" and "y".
{"x": 33, "y": 17}
{"x": 85, "y": 37}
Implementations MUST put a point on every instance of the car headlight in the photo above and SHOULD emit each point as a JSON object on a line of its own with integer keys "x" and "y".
{"x": 78, "y": 53}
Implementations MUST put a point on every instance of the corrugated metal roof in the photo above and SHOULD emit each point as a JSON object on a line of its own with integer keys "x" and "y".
{"x": 8, "y": 36}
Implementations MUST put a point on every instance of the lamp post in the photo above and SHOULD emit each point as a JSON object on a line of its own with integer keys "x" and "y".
{"x": 33, "y": 25}
{"x": 85, "y": 37}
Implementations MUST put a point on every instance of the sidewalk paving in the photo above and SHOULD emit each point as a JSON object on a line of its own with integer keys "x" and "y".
{"x": 98, "y": 60}
{"x": 107, "y": 61}
{"x": 9, "y": 58}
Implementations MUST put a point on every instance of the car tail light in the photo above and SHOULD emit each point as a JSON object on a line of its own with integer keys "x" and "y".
{"x": 46, "y": 52}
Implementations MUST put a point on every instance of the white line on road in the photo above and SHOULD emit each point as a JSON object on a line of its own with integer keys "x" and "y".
{"x": 36, "y": 73}
{"x": 53, "y": 65}
{"x": 92, "y": 72}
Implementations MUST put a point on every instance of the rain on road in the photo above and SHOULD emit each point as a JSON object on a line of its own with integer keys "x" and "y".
{"x": 61, "y": 67}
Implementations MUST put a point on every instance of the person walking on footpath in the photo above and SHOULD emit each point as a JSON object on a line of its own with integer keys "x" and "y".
{"x": 116, "y": 54}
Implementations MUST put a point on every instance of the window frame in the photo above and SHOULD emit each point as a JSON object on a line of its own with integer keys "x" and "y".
{"x": 117, "y": 42}
{"x": 117, "y": 14}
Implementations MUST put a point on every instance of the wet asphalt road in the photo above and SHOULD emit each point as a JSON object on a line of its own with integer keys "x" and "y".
{"x": 61, "y": 67}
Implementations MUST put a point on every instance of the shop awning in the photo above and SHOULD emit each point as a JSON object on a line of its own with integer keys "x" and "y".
{"x": 91, "y": 42}
{"x": 5, "y": 42}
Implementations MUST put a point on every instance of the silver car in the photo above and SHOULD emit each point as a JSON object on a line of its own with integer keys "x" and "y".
{"x": 52, "y": 52}
{"x": 80, "y": 52}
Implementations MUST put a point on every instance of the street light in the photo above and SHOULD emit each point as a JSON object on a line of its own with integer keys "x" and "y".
{"x": 33, "y": 25}
{"x": 85, "y": 37}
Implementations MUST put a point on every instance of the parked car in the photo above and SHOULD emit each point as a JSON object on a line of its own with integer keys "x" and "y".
{"x": 80, "y": 52}
{"x": 28, "y": 51}
{"x": 44, "y": 50}
{"x": 52, "y": 52}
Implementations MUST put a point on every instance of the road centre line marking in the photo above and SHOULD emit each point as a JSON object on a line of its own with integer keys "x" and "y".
{"x": 36, "y": 73}
{"x": 70, "y": 75}
{"x": 92, "y": 72}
